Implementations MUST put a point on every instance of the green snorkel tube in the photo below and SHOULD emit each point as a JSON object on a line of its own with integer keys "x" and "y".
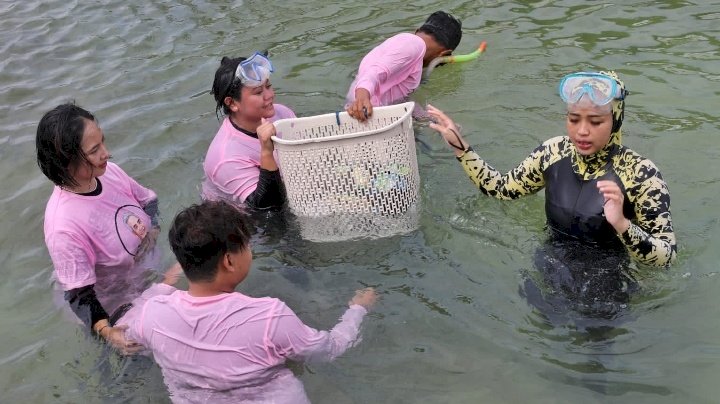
{"x": 453, "y": 59}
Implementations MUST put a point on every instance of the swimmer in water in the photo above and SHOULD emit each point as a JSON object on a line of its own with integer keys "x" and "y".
{"x": 392, "y": 70}
{"x": 604, "y": 202}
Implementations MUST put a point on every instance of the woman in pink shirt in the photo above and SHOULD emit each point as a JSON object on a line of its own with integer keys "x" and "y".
{"x": 216, "y": 345}
{"x": 240, "y": 165}
{"x": 100, "y": 224}
{"x": 393, "y": 69}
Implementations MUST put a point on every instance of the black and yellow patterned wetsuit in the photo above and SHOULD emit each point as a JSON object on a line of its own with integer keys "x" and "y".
{"x": 573, "y": 205}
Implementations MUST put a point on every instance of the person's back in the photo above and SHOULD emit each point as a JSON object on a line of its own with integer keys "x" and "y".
{"x": 224, "y": 347}
{"x": 216, "y": 345}
{"x": 391, "y": 71}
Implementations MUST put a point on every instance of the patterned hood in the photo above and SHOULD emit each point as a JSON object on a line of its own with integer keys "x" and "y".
{"x": 596, "y": 165}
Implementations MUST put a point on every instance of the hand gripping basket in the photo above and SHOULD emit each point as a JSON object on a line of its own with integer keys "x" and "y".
{"x": 348, "y": 179}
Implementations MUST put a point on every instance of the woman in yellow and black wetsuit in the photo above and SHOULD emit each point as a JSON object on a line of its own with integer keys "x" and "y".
{"x": 602, "y": 200}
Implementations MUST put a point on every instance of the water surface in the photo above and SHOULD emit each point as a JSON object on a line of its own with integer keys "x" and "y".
{"x": 452, "y": 326}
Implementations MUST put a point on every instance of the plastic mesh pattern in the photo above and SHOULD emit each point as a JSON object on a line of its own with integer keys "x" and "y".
{"x": 346, "y": 179}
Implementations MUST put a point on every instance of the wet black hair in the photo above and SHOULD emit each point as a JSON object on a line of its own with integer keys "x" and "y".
{"x": 225, "y": 84}
{"x": 446, "y": 29}
{"x": 58, "y": 142}
{"x": 202, "y": 234}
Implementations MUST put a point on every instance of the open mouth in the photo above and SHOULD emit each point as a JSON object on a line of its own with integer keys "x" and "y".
{"x": 583, "y": 145}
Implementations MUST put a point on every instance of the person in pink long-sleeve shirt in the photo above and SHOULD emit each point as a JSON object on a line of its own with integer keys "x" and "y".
{"x": 215, "y": 345}
{"x": 100, "y": 224}
{"x": 240, "y": 166}
{"x": 393, "y": 69}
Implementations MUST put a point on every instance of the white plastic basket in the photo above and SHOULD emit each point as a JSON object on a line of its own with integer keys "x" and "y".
{"x": 347, "y": 179}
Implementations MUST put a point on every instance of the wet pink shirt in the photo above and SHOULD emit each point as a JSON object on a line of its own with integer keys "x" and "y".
{"x": 232, "y": 163}
{"x": 91, "y": 240}
{"x": 391, "y": 71}
{"x": 231, "y": 347}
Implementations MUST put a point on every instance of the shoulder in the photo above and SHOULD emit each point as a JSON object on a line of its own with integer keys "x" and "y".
{"x": 556, "y": 141}
{"x": 219, "y": 146}
{"x": 115, "y": 169}
{"x": 282, "y": 112}
{"x": 407, "y": 38}
{"x": 405, "y": 42}
{"x": 114, "y": 173}
{"x": 635, "y": 165}
{"x": 556, "y": 146}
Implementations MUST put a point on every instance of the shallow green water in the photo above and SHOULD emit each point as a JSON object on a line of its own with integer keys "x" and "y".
{"x": 452, "y": 326}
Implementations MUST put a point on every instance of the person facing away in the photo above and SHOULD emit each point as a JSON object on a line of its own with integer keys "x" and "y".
{"x": 603, "y": 201}
{"x": 240, "y": 166}
{"x": 99, "y": 260}
{"x": 392, "y": 70}
{"x": 217, "y": 345}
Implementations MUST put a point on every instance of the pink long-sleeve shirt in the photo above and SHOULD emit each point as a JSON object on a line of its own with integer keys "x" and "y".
{"x": 391, "y": 70}
{"x": 232, "y": 163}
{"x": 232, "y": 348}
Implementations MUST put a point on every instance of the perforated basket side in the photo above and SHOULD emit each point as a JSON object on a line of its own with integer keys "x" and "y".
{"x": 367, "y": 180}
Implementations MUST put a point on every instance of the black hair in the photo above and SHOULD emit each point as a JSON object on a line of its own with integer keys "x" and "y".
{"x": 225, "y": 84}
{"x": 58, "y": 142}
{"x": 446, "y": 29}
{"x": 202, "y": 234}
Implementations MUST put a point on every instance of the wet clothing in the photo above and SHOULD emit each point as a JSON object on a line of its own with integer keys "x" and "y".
{"x": 391, "y": 71}
{"x": 232, "y": 168}
{"x": 94, "y": 241}
{"x": 232, "y": 348}
{"x": 573, "y": 205}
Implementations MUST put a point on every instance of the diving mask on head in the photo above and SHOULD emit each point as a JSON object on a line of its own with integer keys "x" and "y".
{"x": 599, "y": 88}
{"x": 253, "y": 71}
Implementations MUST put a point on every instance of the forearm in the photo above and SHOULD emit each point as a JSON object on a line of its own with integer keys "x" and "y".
{"x": 267, "y": 159}
{"x": 659, "y": 251}
{"x": 650, "y": 238}
{"x": 87, "y": 307}
{"x": 269, "y": 193}
{"x": 523, "y": 180}
{"x": 325, "y": 346}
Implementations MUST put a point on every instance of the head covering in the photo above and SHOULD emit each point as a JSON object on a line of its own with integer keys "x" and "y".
{"x": 597, "y": 164}
{"x": 445, "y": 28}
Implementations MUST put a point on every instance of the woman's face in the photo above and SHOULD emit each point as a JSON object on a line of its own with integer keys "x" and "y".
{"x": 589, "y": 126}
{"x": 97, "y": 155}
{"x": 256, "y": 102}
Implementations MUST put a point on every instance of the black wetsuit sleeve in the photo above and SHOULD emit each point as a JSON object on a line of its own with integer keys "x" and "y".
{"x": 85, "y": 305}
{"x": 152, "y": 210}
{"x": 270, "y": 191}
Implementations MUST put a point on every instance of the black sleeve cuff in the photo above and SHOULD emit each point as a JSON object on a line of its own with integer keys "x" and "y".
{"x": 269, "y": 193}
{"x": 85, "y": 305}
{"x": 469, "y": 149}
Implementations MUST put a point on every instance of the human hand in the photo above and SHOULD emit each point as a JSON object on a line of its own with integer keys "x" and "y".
{"x": 613, "y": 205}
{"x": 361, "y": 109}
{"x": 147, "y": 243}
{"x": 265, "y": 132}
{"x": 172, "y": 274}
{"x": 115, "y": 336}
{"x": 447, "y": 129}
{"x": 364, "y": 297}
